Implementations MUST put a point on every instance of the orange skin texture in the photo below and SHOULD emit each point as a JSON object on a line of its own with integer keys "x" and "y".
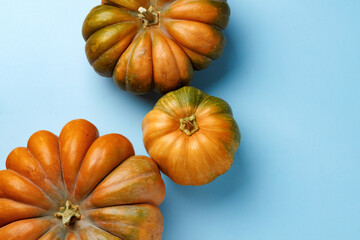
{"x": 206, "y": 154}
{"x": 163, "y": 56}
{"x": 118, "y": 193}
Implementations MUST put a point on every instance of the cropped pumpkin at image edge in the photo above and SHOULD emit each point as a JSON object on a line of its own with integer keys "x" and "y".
{"x": 146, "y": 44}
{"x": 80, "y": 186}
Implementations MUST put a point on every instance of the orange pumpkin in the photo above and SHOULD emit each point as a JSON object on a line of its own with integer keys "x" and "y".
{"x": 157, "y": 44}
{"x": 80, "y": 187}
{"x": 192, "y": 136}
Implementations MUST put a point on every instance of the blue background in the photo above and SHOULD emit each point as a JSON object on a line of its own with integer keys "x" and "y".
{"x": 290, "y": 71}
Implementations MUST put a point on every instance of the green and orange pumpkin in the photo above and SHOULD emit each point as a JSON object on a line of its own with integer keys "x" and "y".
{"x": 146, "y": 44}
{"x": 191, "y": 135}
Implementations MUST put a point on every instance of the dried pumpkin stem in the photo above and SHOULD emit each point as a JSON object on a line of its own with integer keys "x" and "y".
{"x": 149, "y": 16}
{"x": 189, "y": 125}
{"x": 68, "y": 214}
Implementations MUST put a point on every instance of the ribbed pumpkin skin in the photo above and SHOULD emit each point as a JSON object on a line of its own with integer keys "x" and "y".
{"x": 118, "y": 194}
{"x": 163, "y": 56}
{"x": 206, "y": 154}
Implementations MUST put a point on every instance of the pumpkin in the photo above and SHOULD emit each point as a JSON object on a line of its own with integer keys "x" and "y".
{"x": 80, "y": 187}
{"x": 192, "y": 136}
{"x": 156, "y": 44}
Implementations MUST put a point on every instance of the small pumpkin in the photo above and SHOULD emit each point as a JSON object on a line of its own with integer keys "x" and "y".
{"x": 157, "y": 44}
{"x": 80, "y": 187}
{"x": 191, "y": 135}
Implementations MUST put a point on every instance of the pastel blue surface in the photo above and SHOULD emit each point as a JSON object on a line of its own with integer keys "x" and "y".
{"x": 290, "y": 71}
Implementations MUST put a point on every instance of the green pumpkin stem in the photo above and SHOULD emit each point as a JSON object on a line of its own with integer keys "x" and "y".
{"x": 68, "y": 214}
{"x": 189, "y": 125}
{"x": 149, "y": 16}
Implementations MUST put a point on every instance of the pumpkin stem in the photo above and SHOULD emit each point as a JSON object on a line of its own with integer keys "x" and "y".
{"x": 189, "y": 125}
{"x": 68, "y": 214}
{"x": 149, "y": 16}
